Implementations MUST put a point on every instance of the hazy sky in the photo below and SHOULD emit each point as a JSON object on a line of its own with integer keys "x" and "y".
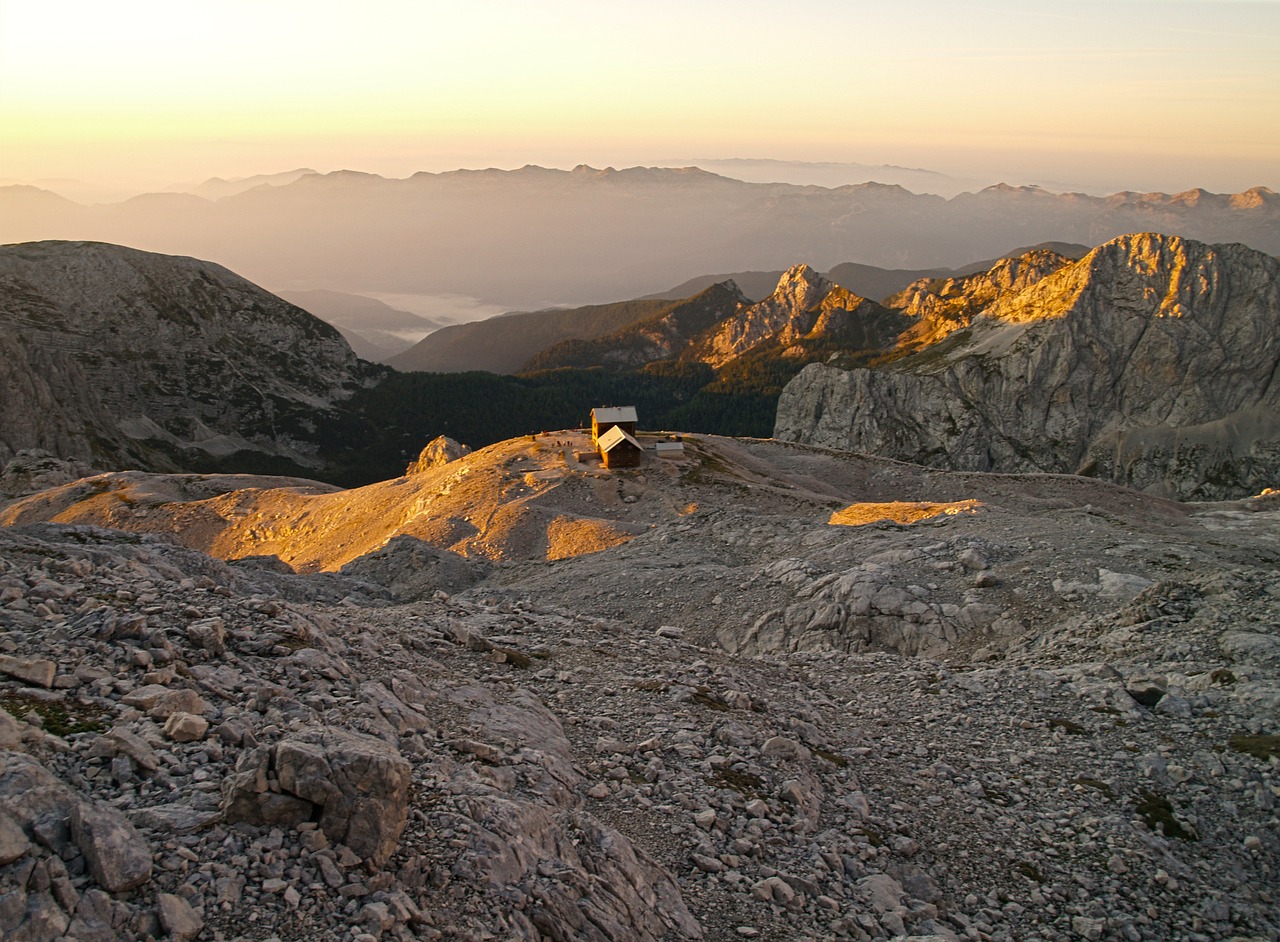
{"x": 1143, "y": 94}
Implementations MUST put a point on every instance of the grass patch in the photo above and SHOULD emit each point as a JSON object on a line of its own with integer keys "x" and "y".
{"x": 1069, "y": 727}
{"x": 1095, "y": 784}
{"x": 1260, "y": 747}
{"x": 874, "y": 837}
{"x": 710, "y": 702}
{"x": 1157, "y": 812}
{"x": 56, "y": 716}
{"x": 744, "y": 783}
{"x": 1029, "y": 870}
{"x": 834, "y": 758}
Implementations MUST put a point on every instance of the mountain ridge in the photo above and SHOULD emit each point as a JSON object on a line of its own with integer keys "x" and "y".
{"x": 1152, "y": 362}
{"x": 607, "y": 234}
{"x": 146, "y": 354}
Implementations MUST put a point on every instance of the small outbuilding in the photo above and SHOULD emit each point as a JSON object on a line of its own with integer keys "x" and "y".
{"x": 619, "y": 449}
{"x": 607, "y": 417}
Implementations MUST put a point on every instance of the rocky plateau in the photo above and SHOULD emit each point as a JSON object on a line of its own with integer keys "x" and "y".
{"x": 764, "y": 690}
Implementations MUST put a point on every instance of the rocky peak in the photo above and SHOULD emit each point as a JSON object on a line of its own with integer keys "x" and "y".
{"x": 1151, "y": 362}
{"x": 800, "y": 288}
{"x": 1143, "y": 274}
{"x": 803, "y": 301}
{"x": 944, "y": 305}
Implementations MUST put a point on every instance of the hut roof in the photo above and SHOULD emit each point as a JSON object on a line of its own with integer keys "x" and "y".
{"x": 614, "y": 414}
{"x": 615, "y": 437}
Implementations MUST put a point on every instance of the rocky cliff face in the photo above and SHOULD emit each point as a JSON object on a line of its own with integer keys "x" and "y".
{"x": 116, "y": 355}
{"x": 942, "y": 305}
{"x": 1152, "y": 362}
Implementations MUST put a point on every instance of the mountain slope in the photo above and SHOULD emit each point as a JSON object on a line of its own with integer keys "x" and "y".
{"x": 121, "y": 356}
{"x": 504, "y": 344}
{"x": 1153, "y": 362}
{"x": 804, "y": 305}
{"x": 664, "y": 335}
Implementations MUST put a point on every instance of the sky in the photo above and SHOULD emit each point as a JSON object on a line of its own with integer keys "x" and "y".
{"x": 1122, "y": 94}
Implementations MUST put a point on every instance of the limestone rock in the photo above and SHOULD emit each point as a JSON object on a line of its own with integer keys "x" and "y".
{"x": 185, "y": 727}
{"x": 141, "y": 348}
{"x": 116, "y": 855}
{"x": 804, "y": 303}
{"x": 595, "y": 884}
{"x": 358, "y": 785}
{"x": 36, "y": 671}
{"x": 1149, "y": 363}
{"x": 440, "y": 450}
{"x": 33, "y": 469}
{"x": 13, "y": 840}
{"x": 177, "y": 917}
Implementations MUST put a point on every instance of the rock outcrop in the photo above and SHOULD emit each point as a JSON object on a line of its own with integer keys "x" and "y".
{"x": 355, "y": 786}
{"x": 805, "y": 305}
{"x": 32, "y": 470}
{"x": 121, "y": 357}
{"x": 1152, "y": 362}
{"x": 440, "y": 450}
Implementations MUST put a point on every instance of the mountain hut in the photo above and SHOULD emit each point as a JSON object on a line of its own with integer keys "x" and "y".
{"x": 618, "y": 449}
{"x": 606, "y": 417}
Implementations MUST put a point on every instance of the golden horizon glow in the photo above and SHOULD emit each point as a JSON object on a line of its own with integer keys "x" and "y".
{"x": 1154, "y": 95}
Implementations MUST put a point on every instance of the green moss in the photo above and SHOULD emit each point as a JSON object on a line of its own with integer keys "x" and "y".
{"x": 1157, "y": 812}
{"x": 1029, "y": 870}
{"x": 1094, "y": 784}
{"x": 874, "y": 837}
{"x": 1068, "y": 726}
{"x": 834, "y": 758}
{"x": 1260, "y": 747}
{"x": 744, "y": 783}
{"x": 707, "y": 700}
{"x": 62, "y": 718}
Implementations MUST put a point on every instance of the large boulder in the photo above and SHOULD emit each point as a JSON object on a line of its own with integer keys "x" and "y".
{"x": 117, "y": 856}
{"x": 356, "y": 785}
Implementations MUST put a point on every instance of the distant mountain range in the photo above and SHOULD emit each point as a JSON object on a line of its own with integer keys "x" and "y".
{"x": 533, "y": 238}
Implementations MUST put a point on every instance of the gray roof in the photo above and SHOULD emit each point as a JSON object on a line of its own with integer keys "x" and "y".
{"x": 614, "y": 414}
